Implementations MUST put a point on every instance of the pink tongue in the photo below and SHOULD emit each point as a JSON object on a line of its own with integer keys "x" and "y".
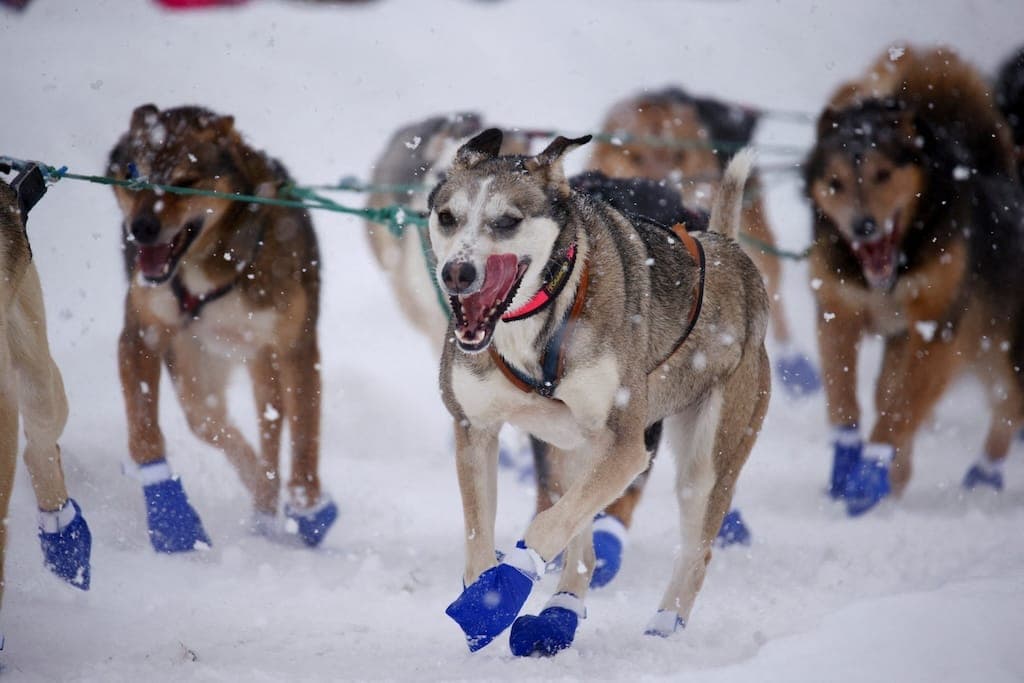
{"x": 499, "y": 275}
{"x": 153, "y": 259}
{"x": 877, "y": 259}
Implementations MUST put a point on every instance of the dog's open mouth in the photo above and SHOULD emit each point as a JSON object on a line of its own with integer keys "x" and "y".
{"x": 477, "y": 314}
{"x": 879, "y": 257}
{"x": 157, "y": 261}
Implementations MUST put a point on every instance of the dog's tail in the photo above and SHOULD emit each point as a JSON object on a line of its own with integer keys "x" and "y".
{"x": 728, "y": 204}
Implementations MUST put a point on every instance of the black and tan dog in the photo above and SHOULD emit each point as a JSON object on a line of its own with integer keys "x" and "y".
{"x": 31, "y": 386}
{"x": 214, "y": 283}
{"x": 917, "y": 238}
{"x": 686, "y": 140}
{"x": 585, "y": 327}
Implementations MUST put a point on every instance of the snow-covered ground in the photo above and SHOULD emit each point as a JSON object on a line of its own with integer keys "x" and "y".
{"x": 927, "y": 589}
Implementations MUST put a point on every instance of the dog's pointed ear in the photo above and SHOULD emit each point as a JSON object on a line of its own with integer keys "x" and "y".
{"x": 224, "y": 125}
{"x": 549, "y": 161}
{"x": 485, "y": 145}
{"x": 144, "y": 116}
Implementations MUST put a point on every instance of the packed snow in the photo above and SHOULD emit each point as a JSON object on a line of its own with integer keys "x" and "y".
{"x": 926, "y": 588}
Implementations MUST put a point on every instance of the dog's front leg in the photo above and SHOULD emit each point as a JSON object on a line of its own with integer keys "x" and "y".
{"x": 139, "y": 353}
{"x": 494, "y": 593}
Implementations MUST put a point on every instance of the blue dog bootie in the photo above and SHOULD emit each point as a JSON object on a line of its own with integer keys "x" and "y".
{"x": 609, "y": 543}
{"x": 733, "y": 531}
{"x": 797, "y": 372}
{"x": 551, "y": 631}
{"x": 868, "y": 483}
{"x": 312, "y": 523}
{"x": 490, "y": 604}
{"x": 985, "y": 473}
{"x": 847, "y": 447}
{"x": 67, "y": 543}
{"x": 174, "y": 525}
{"x": 664, "y": 623}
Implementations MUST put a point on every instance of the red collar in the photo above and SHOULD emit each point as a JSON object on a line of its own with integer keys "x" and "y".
{"x": 556, "y": 275}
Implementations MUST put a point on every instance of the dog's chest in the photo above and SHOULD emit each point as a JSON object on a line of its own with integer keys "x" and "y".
{"x": 227, "y": 326}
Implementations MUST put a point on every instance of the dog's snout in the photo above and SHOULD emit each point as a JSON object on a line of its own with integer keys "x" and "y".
{"x": 865, "y": 227}
{"x": 145, "y": 228}
{"x": 458, "y": 276}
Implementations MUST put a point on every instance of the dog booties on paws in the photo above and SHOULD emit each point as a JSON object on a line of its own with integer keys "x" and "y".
{"x": 868, "y": 482}
{"x": 67, "y": 544}
{"x": 733, "y": 530}
{"x": 490, "y": 604}
{"x": 798, "y": 374}
{"x": 609, "y": 542}
{"x": 551, "y": 631}
{"x": 847, "y": 448}
{"x": 981, "y": 477}
{"x": 174, "y": 525}
{"x": 315, "y": 521}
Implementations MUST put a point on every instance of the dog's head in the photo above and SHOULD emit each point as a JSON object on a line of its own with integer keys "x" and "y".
{"x": 494, "y": 224}
{"x": 865, "y": 175}
{"x": 188, "y": 147}
{"x": 672, "y": 135}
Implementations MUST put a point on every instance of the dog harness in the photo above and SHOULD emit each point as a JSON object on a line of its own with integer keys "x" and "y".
{"x": 552, "y": 361}
{"x": 192, "y": 304}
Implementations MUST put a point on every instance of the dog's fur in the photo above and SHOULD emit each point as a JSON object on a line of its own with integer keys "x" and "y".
{"x": 706, "y": 133}
{"x": 1010, "y": 98}
{"x": 267, "y": 320}
{"x": 918, "y": 238}
{"x": 30, "y": 383}
{"x": 712, "y": 391}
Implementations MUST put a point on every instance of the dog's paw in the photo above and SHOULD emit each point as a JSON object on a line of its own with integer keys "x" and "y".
{"x": 664, "y": 623}
{"x": 847, "y": 448}
{"x": 67, "y": 544}
{"x": 798, "y": 375}
{"x": 609, "y": 542}
{"x": 550, "y": 631}
{"x": 981, "y": 477}
{"x": 311, "y": 524}
{"x": 490, "y": 604}
{"x": 733, "y": 531}
{"x": 868, "y": 482}
{"x": 174, "y": 525}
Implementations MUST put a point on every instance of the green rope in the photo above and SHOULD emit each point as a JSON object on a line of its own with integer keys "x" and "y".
{"x": 772, "y": 250}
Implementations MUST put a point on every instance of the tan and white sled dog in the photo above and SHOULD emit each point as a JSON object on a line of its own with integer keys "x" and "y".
{"x": 585, "y": 327}
{"x": 214, "y": 283}
{"x": 30, "y": 385}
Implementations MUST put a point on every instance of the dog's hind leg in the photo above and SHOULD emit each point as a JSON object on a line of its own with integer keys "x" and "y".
{"x": 8, "y": 449}
{"x": 712, "y": 443}
{"x": 300, "y": 371}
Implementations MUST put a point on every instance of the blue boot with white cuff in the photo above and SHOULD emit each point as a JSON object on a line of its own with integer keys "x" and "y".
{"x": 67, "y": 543}
{"x": 174, "y": 525}
{"x": 868, "y": 483}
{"x": 551, "y": 631}
{"x": 490, "y": 604}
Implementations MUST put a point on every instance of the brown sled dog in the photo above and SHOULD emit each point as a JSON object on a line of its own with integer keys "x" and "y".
{"x": 214, "y": 283}
{"x": 918, "y": 238}
{"x": 585, "y": 327}
{"x": 30, "y": 385}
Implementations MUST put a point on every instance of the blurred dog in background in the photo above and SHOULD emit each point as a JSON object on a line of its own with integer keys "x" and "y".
{"x": 917, "y": 238}
{"x": 1010, "y": 98}
{"x": 214, "y": 283}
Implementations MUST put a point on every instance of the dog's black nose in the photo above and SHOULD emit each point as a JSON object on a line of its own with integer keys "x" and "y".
{"x": 145, "y": 228}
{"x": 865, "y": 227}
{"x": 458, "y": 276}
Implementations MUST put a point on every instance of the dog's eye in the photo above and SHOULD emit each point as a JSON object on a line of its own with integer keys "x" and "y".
{"x": 446, "y": 219}
{"x": 835, "y": 185}
{"x": 506, "y": 223}
{"x": 883, "y": 176}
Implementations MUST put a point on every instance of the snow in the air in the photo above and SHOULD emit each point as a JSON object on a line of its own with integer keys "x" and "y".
{"x": 928, "y": 588}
